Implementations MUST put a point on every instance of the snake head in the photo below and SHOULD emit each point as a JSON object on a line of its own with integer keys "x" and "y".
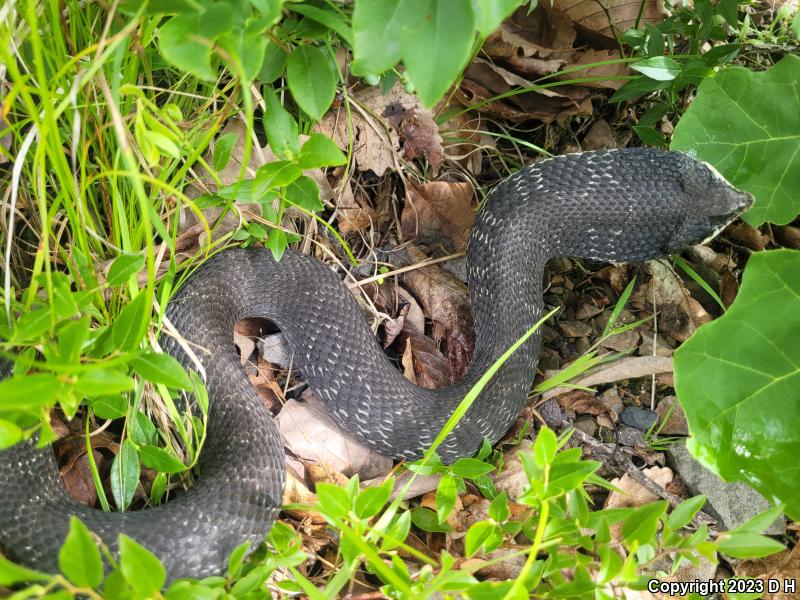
{"x": 711, "y": 204}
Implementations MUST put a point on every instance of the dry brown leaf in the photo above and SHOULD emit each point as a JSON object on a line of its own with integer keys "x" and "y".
{"x": 679, "y": 315}
{"x": 609, "y": 18}
{"x": 439, "y": 213}
{"x": 581, "y": 402}
{"x": 383, "y": 126}
{"x": 422, "y": 361}
{"x": 676, "y": 424}
{"x": 599, "y": 136}
{"x": 635, "y": 494}
{"x": 355, "y": 212}
{"x": 589, "y": 56}
{"x": 446, "y": 301}
{"x": 784, "y": 566}
{"x": 625, "y": 368}
{"x": 313, "y": 436}
{"x": 748, "y": 236}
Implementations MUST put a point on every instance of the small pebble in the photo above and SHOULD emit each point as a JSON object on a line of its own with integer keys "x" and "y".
{"x": 628, "y": 436}
{"x": 638, "y": 418}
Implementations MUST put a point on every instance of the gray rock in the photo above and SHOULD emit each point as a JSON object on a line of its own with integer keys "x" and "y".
{"x": 628, "y": 436}
{"x": 676, "y": 424}
{"x": 274, "y": 349}
{"x": 638, "y": 418}
{"x": 730, "y": 503}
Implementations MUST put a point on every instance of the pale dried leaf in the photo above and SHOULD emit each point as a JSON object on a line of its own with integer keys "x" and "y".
{"x": 310, "y": 434}
{"x": 609, "y": 18}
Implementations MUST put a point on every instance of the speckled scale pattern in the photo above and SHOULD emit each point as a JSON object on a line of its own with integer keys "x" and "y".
{"x": 620, "y": 205}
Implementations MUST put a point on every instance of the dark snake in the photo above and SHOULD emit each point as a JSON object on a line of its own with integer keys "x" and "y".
{"x": 617, "y": 206}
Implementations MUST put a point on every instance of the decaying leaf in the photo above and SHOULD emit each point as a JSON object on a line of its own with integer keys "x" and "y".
{"x": 610, "y": 18}
{"x": 439, "y": 213}
{"x": 383, "y": 126}
{"x": 446, "y": 302}
{"x": 422, "y": 361}
{"x": 784, "y": 567}
{"x": 310, "y": 434}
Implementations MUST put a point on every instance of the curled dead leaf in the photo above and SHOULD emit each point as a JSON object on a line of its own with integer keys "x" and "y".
{"x": 439, "y": 213}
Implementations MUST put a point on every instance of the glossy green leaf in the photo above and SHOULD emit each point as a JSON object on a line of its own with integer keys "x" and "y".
{"x": 223, "y": 146}
{"x": 79, "y": 558}
{"x": 446, "y": 494}
{"x": 101, "y": 382}
{"x": 10, "y": 434}
{"x": 478, "y": 534}
{"x": 642, "y": 524}
{"x": 277, "y": 242}
{"x": 741, "y": 398}
{"x": 186, "y": 40}
{"x": 276, "y": 174}
{"x": 280, "y": 127}
{"x": 470, "y": 467}
{"x": 748, "y": 545}
{"x": 160, "y": 459}
{"x": 426, "y": 519}
{"x": 333, "y": 500}
{"x": 372, "y": 499}
{"x": 274, "y": 63}
{"x": 377, "y": 31}
{"x": 125, "y": 474}
{"x": 11, "y": 574}
{"x": 130, "y": 325}
{"x": 747, "y": 124}
{"x": 660, "y": 68}
{"x": 490, "y": 13}
{"x": 123, "y": 267}
{"x": 312, "y": 78}
{"x": 304, "y": 192}
{"x": 142, "y": 570}
{"x": 438, "y": 47}
{"x": 162, "y": 368}
{"x": 682, "y": 514}
{"x": 320, "y": 151}
{"x": 397, "y": 532}
{"x": 29, "y": 391}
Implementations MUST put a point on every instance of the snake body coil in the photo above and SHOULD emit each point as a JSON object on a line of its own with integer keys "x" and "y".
{"x": 624, "y": 205}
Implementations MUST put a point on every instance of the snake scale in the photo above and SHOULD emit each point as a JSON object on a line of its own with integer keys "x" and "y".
{"x": 622, "y": 205}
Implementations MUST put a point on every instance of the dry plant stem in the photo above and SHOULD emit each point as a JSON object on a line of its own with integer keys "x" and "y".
{"x": 611, "y": 453}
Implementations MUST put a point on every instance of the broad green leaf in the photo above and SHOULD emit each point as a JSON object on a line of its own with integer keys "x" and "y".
{"x": 29, "y": 391}
{"x": 490, "y": 13}
{"x": 304, "y": 192}
{"x": 438, "y": 47}
{"x": 130, "y": 325}
{"x": 545, "y": 447}
{"x": 10, "y": 434}
{"x": 477, "y": 535}
{"x": 642, "y": 524}
{"x": 275, "y": 59}
{"x": 276, "y": 174}
{"x": 333, "y": 500}
{"x": 372, "y": 499}
{"x": 469, "y": 468}
{"x": 102, "y": 382}
{"x": 79, "y": 558}
{"x": 761, "y": 522}
{"x": 187, "y": 39}
{"x": 685, "y": 512}
{"x": 426, "y": 519}
{"x": 110, "y": 407}
{"x": 312, "y": 80}
{"x": 747, "y": 124}
{"x": 125, "y": 474}
{"x": 160, "y": 459}
{"x": 738, "y": 380}
{"x": 143, "y": 571}
{"x": 748, "y": 545}
{"x": 446, "y": 493}
{"x": 320, "y": 151}
{"x": 377, "y": 31}
{"x": 280, "y": 127}
{"x": 277, "y": 242}
{"x": 32, "y": 324}
{"x": 498, "y": 509}
{"x": 123, "y": 267}
{"x": 660, "y": 68}
{"x": 236, "y": 560}
{"x": 223, "y": 146}
{"x": 331, "y": 19}
{"x": 11, "y": 574}
{"x": 397, "y": 532}
{"x": 162, "y": 368}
